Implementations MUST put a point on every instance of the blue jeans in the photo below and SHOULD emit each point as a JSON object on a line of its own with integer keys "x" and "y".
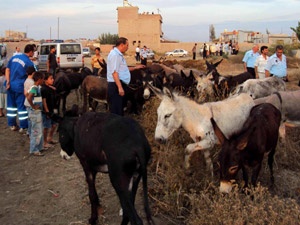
{"x": 29, "y": 122}
{"x": 53, "y": 72}
{"x": 36, "y": 133}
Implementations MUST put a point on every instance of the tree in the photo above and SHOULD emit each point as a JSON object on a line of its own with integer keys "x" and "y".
{"x": 108, "y": 38}
{"x": 297, "y": 30}
{"x": 212, "y": 33}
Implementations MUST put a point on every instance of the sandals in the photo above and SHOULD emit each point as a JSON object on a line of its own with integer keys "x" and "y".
{"x": 46, "y": 146}
{"x": 37, "y": 154}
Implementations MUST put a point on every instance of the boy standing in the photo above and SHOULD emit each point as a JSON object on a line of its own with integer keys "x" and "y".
{"x": 35, "y": 115}
{"x": 27, "y": 85}
{"x": 48, "y": 98}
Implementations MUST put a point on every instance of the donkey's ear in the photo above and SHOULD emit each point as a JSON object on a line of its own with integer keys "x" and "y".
{"x": 143, "y": 73}
{"x": 218, "y": 131}
{"x": 243, "y": 140}
{"x": 207, "y": 64}
{"x": 182, "y": 74}
{"x": 217, "y": 63}
{"x": 168, "y": 93}
{"x": 156, "y": 91}
{"x": 103, "y": 64}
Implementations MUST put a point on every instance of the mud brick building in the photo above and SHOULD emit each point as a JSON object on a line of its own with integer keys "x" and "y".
{"x": 139, "y": 28}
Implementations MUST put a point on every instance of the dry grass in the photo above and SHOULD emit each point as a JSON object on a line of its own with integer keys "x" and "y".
{"x": 193, "y": 199}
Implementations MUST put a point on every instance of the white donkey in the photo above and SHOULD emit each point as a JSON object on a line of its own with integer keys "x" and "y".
{"x": 259, "y": 88}
{"x": 175, "y": 111}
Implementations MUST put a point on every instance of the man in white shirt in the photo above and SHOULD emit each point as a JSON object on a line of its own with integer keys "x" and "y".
{"x": 18, "y": 51}
{"x": 261, "y": 62}
{"x": 137, "y": 54}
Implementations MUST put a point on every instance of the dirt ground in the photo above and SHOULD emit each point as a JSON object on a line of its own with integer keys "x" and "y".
{"x": 50, "y": 190}
{"x": 47, "y": 190}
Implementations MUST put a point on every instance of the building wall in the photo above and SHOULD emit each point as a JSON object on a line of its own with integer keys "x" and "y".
{"x": 15, "y": 34}
{"x": 139, "y": 28}
{"x": 280, "y": 40}
{"x": 165, "y": 47}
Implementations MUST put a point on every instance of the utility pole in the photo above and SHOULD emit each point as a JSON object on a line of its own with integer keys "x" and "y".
{"x": 58, "y": 28}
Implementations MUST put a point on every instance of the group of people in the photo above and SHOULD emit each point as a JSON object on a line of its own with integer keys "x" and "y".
{"x": 141, "y": 54}
{"x": 260, "y": 65}
{"x": 30, "y": 96}
{"x": 217, "y": 49}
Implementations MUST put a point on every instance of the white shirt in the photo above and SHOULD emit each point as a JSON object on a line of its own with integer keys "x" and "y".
{"x": 29, "y": 82}
{"x": 261, "y": 63}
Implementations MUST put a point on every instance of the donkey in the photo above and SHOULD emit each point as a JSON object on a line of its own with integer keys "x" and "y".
{"x": 65, "y": 82}
{"x": 245, "y": 150}
{"x": 109, "y": 143}
{"x": 223, "y": 85}
{"x": 94, "y": 90}
{"x": 175, "y": 111}
{"x": 259, "y": 88}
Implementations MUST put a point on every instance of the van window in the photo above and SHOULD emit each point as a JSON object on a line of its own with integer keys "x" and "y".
{"x": 45, "y": 50}
{"x": 70, "y": 49}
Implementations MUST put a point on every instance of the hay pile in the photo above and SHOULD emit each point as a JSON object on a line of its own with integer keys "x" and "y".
{"x": 194, "y": 199}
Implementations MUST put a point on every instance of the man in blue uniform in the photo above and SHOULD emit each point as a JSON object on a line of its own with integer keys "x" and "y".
{"x": 118, "y": 76}
{"x": 250, "y": 59}
{"x": 276, "y": 64}
{"x": 15, "y": 77}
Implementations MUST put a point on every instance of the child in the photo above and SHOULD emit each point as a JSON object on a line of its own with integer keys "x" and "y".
{"x": 35, "y": 115}
{"x": 27, "y": 85}
{"x": 48, "y": 98}
{"x": 2, "y": 92}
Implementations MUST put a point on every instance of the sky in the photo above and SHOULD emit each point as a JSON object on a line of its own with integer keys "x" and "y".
{"x": 185, "y": 21}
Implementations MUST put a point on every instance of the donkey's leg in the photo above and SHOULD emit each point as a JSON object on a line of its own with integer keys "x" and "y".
{"x": 205, "y": 145}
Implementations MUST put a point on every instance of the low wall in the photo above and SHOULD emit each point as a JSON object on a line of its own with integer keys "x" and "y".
{"x": 166, "y": 47}
{"x": 296, "y": 53}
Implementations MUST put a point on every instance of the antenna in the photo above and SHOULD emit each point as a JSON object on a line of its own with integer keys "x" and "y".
{"x": 126, "y": 3}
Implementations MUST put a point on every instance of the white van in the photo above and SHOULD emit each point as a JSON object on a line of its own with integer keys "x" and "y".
{"x": 68, "y": 55}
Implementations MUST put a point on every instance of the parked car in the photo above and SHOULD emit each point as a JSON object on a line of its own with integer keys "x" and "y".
{"x": 86, "y": 52}
{"x": 177, "y": 52}
{"x": 150, "y": 54}
{"x": 68, "y": 55}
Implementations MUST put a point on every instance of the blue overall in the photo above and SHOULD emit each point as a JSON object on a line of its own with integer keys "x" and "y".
{"x": 17, "y": 65}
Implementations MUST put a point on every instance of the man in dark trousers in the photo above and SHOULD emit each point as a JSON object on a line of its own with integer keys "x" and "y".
{"x": 52, "y": 63}
{"x": 118, "y": 76}
{"x": 143, "y": 54}
{"x": 194, "y": 51}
